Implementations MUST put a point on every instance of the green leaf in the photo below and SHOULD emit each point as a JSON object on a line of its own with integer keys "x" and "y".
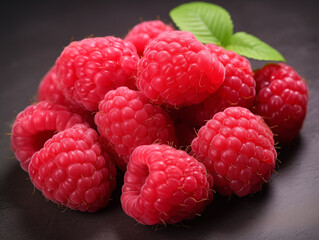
{"x": 210, "y": 23}
{"x": 252, "y": 47}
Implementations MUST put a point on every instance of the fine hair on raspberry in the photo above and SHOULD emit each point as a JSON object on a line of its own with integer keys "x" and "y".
{"x": 178, "y": 70}
{"x": 164, "y": 185}
{"x": 142, "y": 33}
{"x": 48, "y": 90}
{"x": 88, "y": 69}
{"x": 126, "y": 119}
{"x": 35, "y": 125}
{"x": 238, "y": 88}
{"x": 282, "y": 98}
{"x": 237, "y": 148}
{"x": 73, "y": 169}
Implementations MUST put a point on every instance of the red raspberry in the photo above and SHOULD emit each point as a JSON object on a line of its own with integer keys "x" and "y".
{"x": 164, "y": 185}
{"x": 238, "y": 89}
{"x": 237, "y": 148}
{"x": 127, "y": 120}
{"x": 178, "y": 70}
{"x": 88, "y": 69}
{"x": 282, "y": 97}
{"x": 73, "y": 170}
{"x": 143, "y": 33}
{"x": 49, "y": 91}
{"x": 36, "y": 124}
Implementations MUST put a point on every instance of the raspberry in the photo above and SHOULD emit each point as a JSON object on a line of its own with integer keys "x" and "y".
{"x": 164, "y": 185}
{"x": 143, "y": 33}
{"x": 88, "y": 69}
{"x": 238, "y": 89}
{"x": 49, "y": 91}
{"x": 237, "y": 148}
{"x": 127, "y": 120}
{"x": 282, "y": 97}
{"x": 36, "y": 124}
{"x": 73, "y": 170}
{"x": 178, "y": 70}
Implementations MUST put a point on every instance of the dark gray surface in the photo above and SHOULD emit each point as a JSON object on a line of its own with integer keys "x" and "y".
{"x": 33, "y": 35}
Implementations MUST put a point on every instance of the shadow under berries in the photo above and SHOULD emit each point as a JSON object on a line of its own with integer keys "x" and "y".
{"x": 224, "y": 214}
{"x": 234, "y": 213}
{"x": 288, "y": 153}
{"x": 37, "y": 218}
{"x": 33, "y": 217}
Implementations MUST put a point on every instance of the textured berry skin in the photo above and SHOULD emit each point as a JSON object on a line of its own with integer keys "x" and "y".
{"x": 48, "y": 91}
{"x": 238, "y": 88}
{"x": 141, "y": 34}
{"x": 282, "y": 97}
{"x": 36, "y": 124}
{"x": 72, "y": 169}
{"x": 164, "y": 185}
{"x": 178, "y": 70}
{"x": 237, "y": 148}
{"x": 126, "y": 120}
{"x": 88, "y": 69}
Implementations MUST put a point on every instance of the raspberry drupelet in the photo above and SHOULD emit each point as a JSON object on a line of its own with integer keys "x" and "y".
{"x": 237, "y": 148}
{"x": 238, "y": 89}
{"x": 142, "y": 33}
{"x": 126, "y": 119}
{"x": 74, "y": 170}
{"x": 282, "y": 98}
{"x": 88, "y": 69}
{"x": 164, "y": 185}
{"x": 48, "y": 91}
{"x": 35, "y": 125}
{"x": 178, "y": 70}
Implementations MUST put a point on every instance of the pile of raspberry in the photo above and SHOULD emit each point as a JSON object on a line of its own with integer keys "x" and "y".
{"x": 183, "y": 121}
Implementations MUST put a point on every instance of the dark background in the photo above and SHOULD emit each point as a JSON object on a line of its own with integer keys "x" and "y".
{"x": 33, "y": 35}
